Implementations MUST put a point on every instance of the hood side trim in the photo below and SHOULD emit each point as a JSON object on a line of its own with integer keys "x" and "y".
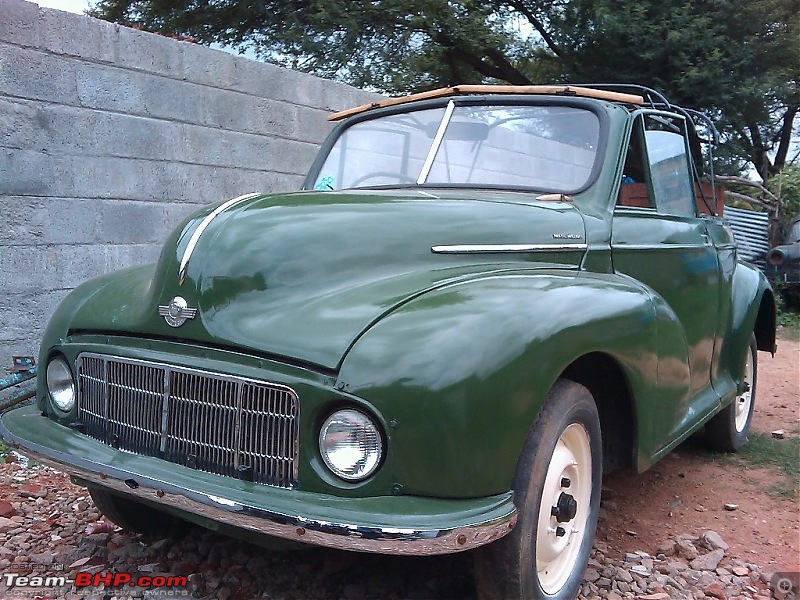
{"x": 187, "y": 254}
{"x": 506, "y": 248}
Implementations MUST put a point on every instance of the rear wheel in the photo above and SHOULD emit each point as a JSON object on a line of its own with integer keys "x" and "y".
{"x": 728, "y": 429}
{"x": 132, "y": 515}
{"x": 557, "y": 493}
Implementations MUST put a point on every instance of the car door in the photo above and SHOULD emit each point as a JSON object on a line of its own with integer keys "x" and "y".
{"x": 659, "y": 239}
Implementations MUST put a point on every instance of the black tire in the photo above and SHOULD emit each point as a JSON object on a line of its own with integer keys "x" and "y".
{"x": 728, "y": 429}
{"x": 508, "y": 569}
{"x": 134, "y": 516}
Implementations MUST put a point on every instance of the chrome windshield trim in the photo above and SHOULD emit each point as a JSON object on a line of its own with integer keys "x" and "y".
{"x": 506, "y": 248}
{"x": 187, "y": 254}
{"x": 437, "y": 141}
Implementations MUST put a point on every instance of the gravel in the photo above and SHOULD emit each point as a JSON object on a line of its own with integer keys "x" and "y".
{"x": 50, "y": 527}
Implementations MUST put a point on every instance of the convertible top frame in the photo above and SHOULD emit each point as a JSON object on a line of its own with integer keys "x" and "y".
{"x": 457, "y": 90}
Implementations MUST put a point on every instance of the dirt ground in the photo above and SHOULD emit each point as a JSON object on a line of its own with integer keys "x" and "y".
{"x": 686, "y": 491}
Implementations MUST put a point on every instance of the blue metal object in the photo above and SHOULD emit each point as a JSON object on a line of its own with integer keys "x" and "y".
{"x": 17, "y": 378}
{"x": 16, "y": 398}
{"x": 20, "y": 364}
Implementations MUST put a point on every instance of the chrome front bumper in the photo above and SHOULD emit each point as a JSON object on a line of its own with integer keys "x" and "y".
{"x": 363, "y": 525}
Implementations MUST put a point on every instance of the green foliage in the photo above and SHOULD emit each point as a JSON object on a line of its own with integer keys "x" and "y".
{"x": 783, "y": 456}
{"x": 737, "y": 61}
{"x": 4, "y": 450}
{"x": 788, "y": 321}
{"x": 786, "y": 185}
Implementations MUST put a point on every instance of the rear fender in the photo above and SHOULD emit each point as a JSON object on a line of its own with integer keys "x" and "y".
{"x": 752, "y": 311}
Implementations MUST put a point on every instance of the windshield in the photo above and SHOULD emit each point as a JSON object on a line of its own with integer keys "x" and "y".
{"x": 545, "y": 148}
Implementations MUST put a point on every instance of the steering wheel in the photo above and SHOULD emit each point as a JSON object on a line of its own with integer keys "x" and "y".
{"x": 375, "y": 174}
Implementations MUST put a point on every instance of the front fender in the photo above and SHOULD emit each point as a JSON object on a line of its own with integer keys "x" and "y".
{"x": 461, "y": 372}
{"x": 126, "y": 286}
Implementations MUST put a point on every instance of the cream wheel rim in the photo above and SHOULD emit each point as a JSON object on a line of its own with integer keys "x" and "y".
{"x": 564, "y": 509}
{"x": 745, "y": 399}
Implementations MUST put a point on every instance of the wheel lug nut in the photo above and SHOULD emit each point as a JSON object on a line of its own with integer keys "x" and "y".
{"x": 565, "y": 482}
{"x": 560, "y": 532}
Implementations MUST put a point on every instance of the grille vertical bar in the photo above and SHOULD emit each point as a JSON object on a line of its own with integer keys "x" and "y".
{"x": 217, "y": 423}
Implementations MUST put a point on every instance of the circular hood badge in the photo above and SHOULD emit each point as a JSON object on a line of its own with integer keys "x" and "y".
{"x": 177, "y": 312}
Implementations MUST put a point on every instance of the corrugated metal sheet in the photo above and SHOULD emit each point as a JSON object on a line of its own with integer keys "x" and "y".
{"x": 751, "y": 232}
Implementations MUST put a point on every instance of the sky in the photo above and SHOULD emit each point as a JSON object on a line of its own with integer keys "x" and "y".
{"x": 74, "y": 6}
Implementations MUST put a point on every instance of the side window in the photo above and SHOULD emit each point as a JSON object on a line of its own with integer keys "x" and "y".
{"x": 670, "y": 176}
{"x": 633, "y": 190}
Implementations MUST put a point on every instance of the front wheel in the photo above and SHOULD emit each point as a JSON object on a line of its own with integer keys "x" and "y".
{"x": 557, "y": 493}
{"x": 728, "y": 429}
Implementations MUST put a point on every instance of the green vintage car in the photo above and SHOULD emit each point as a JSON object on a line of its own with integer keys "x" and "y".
{"x": 483, "y": 298}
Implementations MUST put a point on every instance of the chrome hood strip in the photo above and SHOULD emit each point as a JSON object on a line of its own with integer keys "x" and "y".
{"x": 506, "y": 248}
{"x": 187, "y": 254}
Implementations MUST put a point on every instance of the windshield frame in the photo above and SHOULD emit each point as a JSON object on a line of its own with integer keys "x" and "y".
{"x": 592, "y": 105}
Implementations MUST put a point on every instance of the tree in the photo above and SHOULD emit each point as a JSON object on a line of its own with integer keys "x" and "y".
{"x": 737, "y": 61}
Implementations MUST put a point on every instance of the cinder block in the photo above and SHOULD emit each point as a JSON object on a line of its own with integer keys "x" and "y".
{"x": 337, "y": 96}
{"x": 61, "y": 267}
{"x": 301, "y": 88}
{"x": 207, "y": 66}
{"x": 42, "y": 221}
{"x": 144, "y": 51}
{"x": 26, "y": 73}
{"x": 123, "y": 222}
{"x": 26, "y": 344}
{"x": 19, "y": 23}
{"x": 28, "y": 173}
{"x": 291, "y": 157}
{"x": 228, "y": 110}
{"x": 275, "y": 183}
{"x": 108, "y": 88}
{"x": 24, "y": 319}
{"x": 258, "y": 78}
{"x": 211, "y": 146}
{"x": 129, "y": 255}
{"x": 76, "y": 221}
{"x": 79, "y": 36}
{"x": 20, "y": 124}
{"x": 311, "y": 125}
{"x": 56, "y": 129}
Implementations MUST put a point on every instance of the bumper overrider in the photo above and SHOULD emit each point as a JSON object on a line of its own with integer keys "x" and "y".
{"x": 403, "y": 525}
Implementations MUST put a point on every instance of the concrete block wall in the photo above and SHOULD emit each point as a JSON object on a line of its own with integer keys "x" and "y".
{"x": 109, "y": 136}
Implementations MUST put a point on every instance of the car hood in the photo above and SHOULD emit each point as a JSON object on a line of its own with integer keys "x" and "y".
{"x": 303, "y": 275}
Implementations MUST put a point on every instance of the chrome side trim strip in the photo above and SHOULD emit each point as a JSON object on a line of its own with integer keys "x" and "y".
{"x": 660, "y": 247}
{"x": 342, "y": 536}
{"x": 187, "y": 254}
{"x": 506, "y": 248}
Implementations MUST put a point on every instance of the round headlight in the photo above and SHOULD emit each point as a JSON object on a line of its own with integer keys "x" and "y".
{"x": 350, "y": 444}
{"x": 60, "y": 384}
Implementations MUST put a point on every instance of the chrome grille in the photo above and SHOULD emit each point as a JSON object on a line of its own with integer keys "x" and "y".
{"x": 216, "y": 423}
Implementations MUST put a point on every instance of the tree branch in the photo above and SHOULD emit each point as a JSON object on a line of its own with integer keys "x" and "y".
{"x": 785, "y": 138}
{"x": 768, "y": 205}
{"x": 747, "y": 182}
{"x": 538, "y": 25}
